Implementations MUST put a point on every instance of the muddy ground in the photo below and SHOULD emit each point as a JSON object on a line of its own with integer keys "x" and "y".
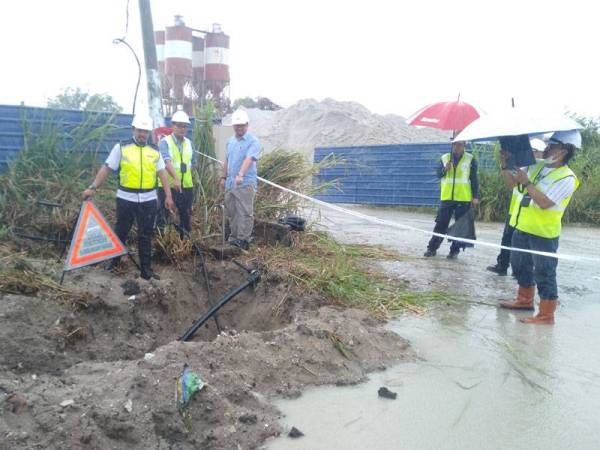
{"x": 101, "y": 372}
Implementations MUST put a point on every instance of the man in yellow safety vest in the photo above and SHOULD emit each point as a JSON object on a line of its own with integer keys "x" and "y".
{"x": 138, "y": 163}
{"x": 177, "y": 151}
{"x": 457, "y": 172}
{"x": 546, "y": 190}
{"x": 503, "y": 259}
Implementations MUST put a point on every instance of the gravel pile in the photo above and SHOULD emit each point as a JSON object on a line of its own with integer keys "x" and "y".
{"x": 309, "y": 124}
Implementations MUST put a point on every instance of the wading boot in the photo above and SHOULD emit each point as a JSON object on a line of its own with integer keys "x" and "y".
{"x": 524, "y": 300}
{"x": 545, "y": 315}
{"x": 429, "y": 253}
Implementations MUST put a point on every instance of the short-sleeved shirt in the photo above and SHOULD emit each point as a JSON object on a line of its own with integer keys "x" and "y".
{"x": 236, "y": 151}
{"x": 560, "y": 189}
{"x": 163, "y": 147}
{"x": 113, "y": 162}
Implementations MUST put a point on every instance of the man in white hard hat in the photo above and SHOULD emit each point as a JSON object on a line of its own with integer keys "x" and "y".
{"x": 503, "y": 259}
{"x": 138, "y": 163}
{"x": 239, "y": 179}
{"x": 546, "y": 188}
{"x": 178, "y": 154}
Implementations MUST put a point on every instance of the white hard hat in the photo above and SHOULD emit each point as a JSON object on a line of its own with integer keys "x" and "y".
{"x": 142, "y": 122}
{"x": 180, "y": 117}
{"x": 239, "y": 117}
{"x": 567, "y": 137}
{"x": 537, "y": 145}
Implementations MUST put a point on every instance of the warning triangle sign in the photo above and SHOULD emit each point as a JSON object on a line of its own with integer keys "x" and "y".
{"x": 93, "y": 239}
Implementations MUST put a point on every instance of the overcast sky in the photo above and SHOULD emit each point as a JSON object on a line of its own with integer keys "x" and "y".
{"x": 393, "y": 57}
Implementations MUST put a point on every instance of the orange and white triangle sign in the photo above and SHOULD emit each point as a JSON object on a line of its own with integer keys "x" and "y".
{"x": 93, "y": 239}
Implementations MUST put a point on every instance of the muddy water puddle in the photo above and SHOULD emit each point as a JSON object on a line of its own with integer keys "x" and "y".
{"x": 484, "y": 380}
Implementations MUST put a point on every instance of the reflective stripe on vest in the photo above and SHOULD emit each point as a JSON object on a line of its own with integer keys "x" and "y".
{"x": 176, "y": 160}
{"x": 532, "y": 219}
{"x": 456, "y": 183}
{"x": 137, "y": 171}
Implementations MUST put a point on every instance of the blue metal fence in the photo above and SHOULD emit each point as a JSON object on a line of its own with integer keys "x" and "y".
{"x": 400, "y": 174}
{"x": 14, "y": 118}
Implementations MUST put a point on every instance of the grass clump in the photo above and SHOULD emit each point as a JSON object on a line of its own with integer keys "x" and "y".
{"x": 338, "y": 272}
{"x": 55, "y": 165}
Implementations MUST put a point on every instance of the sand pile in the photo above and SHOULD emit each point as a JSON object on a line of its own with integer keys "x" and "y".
{"x": 309, "y": 124}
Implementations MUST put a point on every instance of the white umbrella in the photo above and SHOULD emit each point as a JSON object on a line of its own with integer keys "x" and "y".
{"x": 515, "y": 122}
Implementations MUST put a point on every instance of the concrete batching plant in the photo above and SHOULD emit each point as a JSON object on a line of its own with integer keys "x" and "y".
{"x": 193, "y": 66}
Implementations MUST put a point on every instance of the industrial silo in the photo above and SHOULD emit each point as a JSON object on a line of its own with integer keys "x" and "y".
{"x": 198, "y": 64}
{"x": 178, "y": 60}
{"x": 216, "y": 65}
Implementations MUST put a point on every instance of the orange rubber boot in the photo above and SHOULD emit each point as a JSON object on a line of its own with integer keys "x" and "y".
{"x": 524, "y": 300}
{"x": 545, "y": 315}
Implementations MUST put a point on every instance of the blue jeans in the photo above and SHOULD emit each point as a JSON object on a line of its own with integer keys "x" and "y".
{"x": 535, "y": 269}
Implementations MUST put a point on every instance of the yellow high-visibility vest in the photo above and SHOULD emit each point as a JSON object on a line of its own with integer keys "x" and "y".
{"x": 137, "y": 170}
{"x": 177, "y": 158}
{"x": 456, "y": 184}
{"x": 529, "y": 217}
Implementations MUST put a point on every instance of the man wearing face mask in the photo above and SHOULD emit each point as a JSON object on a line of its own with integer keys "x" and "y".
{"x": 138, "y": 164}
{"x": 545, "y": 190}
{"x": 503, "y": 259}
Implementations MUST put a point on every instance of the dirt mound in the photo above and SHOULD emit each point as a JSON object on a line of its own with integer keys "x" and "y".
{"x": 309, "y": 124}
{"x": 103, "y": 375}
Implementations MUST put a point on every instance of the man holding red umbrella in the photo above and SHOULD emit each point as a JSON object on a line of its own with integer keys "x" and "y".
{"x": 458, "y": 193}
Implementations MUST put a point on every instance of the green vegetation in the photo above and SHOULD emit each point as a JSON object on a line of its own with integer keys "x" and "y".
{"x": 55, "y": 165}
{"x": 76, "y": 98}
{"x": 339, "y": 272}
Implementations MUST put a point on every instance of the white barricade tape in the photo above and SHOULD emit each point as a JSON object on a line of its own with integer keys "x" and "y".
{"x": 389, "y": 223}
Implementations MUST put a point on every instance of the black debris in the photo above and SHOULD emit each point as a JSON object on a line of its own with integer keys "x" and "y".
{"x": 386, "y": 393}
{"x": 295, "y": 433}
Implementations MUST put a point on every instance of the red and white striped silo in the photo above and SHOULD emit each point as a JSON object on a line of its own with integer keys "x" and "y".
{"x": 178, "y": 58}
{"x": 159, "y": 41}
{"x": 216, "y": 61}
{"x": 198, "y": 64}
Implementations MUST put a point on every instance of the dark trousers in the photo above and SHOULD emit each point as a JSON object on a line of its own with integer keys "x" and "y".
{"x": 442, "y": 220}
{"x": 144, "y": 215}
{"x": 503, "y": 258}
{"x": 535, "y": 269}
{"x": 183, "y": 201}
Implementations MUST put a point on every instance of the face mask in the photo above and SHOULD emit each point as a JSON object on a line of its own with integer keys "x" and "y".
{"x": 549, "y": 161}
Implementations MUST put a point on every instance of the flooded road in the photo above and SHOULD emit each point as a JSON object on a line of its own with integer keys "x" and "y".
{"x": 484, "y": 380}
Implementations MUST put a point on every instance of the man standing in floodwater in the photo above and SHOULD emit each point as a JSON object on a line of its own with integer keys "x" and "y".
{"x": 459, "y": 191}
{"x": 138, "y": 163}
{"x": 503, "y": 259}
{"x": 239, "y": 179}
{"x": 546, "y": 188}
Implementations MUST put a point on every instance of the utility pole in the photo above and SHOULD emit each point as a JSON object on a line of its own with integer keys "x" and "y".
{"x": 152, "y": 75}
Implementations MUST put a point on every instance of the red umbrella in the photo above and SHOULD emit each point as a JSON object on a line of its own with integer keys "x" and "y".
{"x": 445, "y": 116}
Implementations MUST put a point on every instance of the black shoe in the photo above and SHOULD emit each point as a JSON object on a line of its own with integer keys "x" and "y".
{"x": 452, "y": 255}
{"x": 497, "y": 269}
{"x": 239, "y": 243}
{"x": 429, "y": 253}
{"x": 148, "y": 274}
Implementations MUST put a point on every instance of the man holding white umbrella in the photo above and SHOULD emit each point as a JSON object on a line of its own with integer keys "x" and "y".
{"x": 546, "y": 190}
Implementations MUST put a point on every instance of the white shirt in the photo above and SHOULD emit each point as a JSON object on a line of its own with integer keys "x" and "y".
{"x": 114, "y": 162}
{"x": 558, "y": 190}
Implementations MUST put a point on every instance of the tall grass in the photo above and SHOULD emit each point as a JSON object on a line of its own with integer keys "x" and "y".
{"x": 56, "y": 163}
